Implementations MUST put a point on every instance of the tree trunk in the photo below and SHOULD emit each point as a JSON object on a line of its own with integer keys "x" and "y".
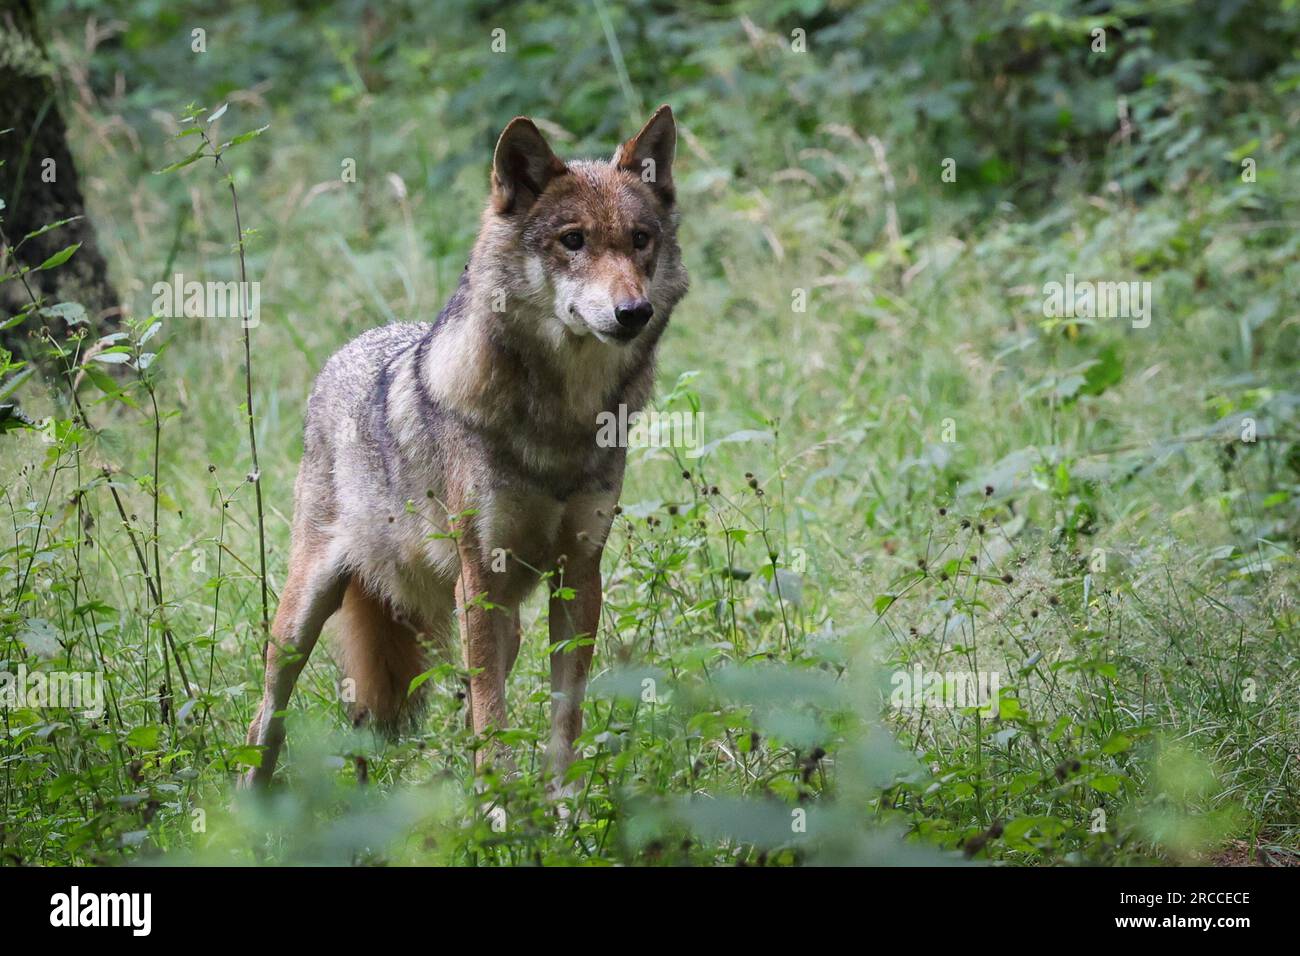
{"x": 38, "y": 183}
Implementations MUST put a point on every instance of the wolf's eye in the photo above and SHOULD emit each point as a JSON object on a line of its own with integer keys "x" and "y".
{"x": 572, "y": 239}
{"x": 640, "y": 239}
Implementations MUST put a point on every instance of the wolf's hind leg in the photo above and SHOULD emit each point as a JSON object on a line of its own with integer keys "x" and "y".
{"x": 380, "y": 651}
{"x": 313, "y": 590}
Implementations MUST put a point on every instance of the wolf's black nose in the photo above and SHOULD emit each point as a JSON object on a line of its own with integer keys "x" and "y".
{"x": 635, "y": 314}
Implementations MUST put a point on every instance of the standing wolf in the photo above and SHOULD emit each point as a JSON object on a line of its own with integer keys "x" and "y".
{"x": 446, "y": 467}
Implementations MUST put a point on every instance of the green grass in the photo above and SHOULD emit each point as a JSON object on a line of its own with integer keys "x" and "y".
{"x": 931, "y": 471}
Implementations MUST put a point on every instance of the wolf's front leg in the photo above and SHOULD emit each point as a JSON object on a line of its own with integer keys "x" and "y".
{"x": 490, "y": 640}
{"x": 575, "y": 617}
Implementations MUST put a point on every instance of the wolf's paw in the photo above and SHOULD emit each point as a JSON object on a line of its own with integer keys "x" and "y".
{"x": 557, "y": 789}
{"x": 564, "y": 798}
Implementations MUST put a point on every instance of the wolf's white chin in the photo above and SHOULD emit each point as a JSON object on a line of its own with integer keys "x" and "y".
{"x": 601, "y": 336}
{"x": 573, "y": 322}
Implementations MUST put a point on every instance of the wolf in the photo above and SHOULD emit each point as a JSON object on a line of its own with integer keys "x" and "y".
{"x": 450, "y": 466}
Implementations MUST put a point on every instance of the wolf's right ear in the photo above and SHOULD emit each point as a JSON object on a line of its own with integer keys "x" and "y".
{"x": 522, "y": 166}
{"x": 649, "y": 154}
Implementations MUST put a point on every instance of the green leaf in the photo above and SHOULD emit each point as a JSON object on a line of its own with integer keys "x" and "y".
{"x": 417, "y": 680}
{"x": 70, "y": 312}
{"x": 11, "y": 386}
{"x": 246, "y": 755}
{"x": 193, "y": 157}
{"x": 63, "y": 784}
{"x": 60, "y": 257}
{"x": 1244, "y": 150}
{"x": 1108, "y": 370}
{"x": 11, "y": 419}
{"x": 1117, "y": 743}
{"x": 245, "y": 137}
{"x": 52, "y": 226}
{"x": 1009, "y": 708}
{"x": 1106, "y": 783}
{"x": 113, "y": 358}
{"x": 744, "y": 436}
{"x": 103, "y": 381}
{"x": 144, "y": 738}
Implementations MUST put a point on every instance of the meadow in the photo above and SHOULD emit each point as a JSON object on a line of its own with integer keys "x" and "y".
{"x": 947, "y": 579}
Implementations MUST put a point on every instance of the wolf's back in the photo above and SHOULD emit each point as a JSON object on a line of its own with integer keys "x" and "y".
{"x": 349, "y": 391}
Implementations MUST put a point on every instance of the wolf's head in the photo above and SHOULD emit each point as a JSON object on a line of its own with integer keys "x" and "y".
{"x": 593, "y": 244}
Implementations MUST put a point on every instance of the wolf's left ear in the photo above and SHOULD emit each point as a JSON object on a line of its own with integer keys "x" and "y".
{"x": 649, "y": 154}
{"x": 522, "y": 166}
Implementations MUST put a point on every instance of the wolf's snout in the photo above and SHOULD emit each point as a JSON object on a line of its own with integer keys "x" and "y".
{"x": 633, "y": 315}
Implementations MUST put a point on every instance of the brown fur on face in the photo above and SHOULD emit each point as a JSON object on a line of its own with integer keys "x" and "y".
{"x": 609, "y": 206}
{"x": 622, "y": 213}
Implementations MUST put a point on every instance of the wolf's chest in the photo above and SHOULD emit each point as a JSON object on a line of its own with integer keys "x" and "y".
{"x": 523, "y": 535}
{"x": 520, "y": 526}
